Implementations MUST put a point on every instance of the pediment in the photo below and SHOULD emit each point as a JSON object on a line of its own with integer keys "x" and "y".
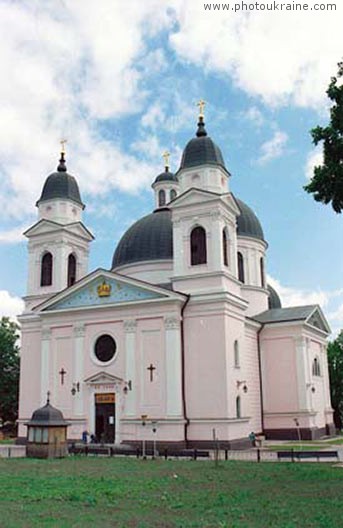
{"x": 193, "y": 196}
{"x": 317, "y": 320}
{"x": 198, "y": 197}
{"x": 103, "y": 378}
{"x": 45, "y": 226}
{"x": 105, "y": 288}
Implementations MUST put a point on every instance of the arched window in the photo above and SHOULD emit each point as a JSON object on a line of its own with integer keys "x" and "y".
{"x": 238, "y": 407}
{"x": 198, "y": 246}
{"x": 240, "y": 267}
{"x": 71, "y": 269}
{"x": 46, "y": 270}
{"x": 161, "y": 197}
{"x": 225, "y": 248}
{"x": 262, "y": 272}
{"x": 316, "y": 367}
{"x": 172, "y": 194}
{"x": 236, "y": 353}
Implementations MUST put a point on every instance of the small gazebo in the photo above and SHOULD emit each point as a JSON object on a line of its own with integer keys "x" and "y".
{"x": 47, "y": 433}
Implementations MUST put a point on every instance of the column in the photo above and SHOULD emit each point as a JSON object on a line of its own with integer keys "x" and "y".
{"x": 78, "y": 368}
{"x": 173, "y": 366}
{"x": 130, "y": 327}
{"x": 45, "y": 358}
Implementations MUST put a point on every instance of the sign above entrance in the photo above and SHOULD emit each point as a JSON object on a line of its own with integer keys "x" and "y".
{"x": 105, "y": 397}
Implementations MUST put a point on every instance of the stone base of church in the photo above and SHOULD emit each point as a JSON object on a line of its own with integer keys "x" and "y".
{"x": 304, "y": 433}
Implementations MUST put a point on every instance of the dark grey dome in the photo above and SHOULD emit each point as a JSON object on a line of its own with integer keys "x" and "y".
{"x": 150, "y": 238}
{"x": 247, "y": 222}
{"x": 166, "y": 176}
{"x": 47, "y": 415}
{"x": 60, "y": 184}
{"x": 201, "y": 150}
{"x": 274, "y": 300}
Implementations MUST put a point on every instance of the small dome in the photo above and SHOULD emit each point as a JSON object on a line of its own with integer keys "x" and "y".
{"x": 150, "y": 238}
{"x": 60, "y": 184}
{"x": 166, "y": 176}
{"x": 274, "y": 300}
{"x": 201, "y": 150}
{"x": 247, "y": 222}
{"x": 47, "y": 415}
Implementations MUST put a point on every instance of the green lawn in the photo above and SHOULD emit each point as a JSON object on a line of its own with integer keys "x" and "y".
{"x": 85, "y": 492}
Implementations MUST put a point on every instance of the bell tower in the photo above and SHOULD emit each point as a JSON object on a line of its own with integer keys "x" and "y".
{"x": 166, "y": 185}
{"x": 58, "y": 243}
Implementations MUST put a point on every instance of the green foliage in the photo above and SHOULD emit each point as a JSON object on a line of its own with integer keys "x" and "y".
{"x": 9, "y": 370}
{"x": 335, "y": 361}
{"x": 126, "y": 493}
{"x": 327, "y": 183}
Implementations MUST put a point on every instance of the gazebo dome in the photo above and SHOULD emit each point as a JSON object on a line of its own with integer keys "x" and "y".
{"x": 47, "y": 416}
{"x": 60, "y": 184}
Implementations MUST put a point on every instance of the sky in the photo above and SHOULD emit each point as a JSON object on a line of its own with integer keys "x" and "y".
{"x": 121, "y": 79}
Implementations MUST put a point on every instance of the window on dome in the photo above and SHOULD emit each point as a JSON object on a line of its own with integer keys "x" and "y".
{"x": 71, "y": 270}
{"x": 198, "y": 246}
{"x": 240, "y": 267}
{"x": 316, "y": 367}
{"x": 225, "y": 248}
{"x": 262, "y": 272}
{"x": 172, "y": 194}
{"x": 105, "y": 348}
{"x": 238, "y": 407}
{"x": 46, "y": 270}
{"x": 161, "y": 197}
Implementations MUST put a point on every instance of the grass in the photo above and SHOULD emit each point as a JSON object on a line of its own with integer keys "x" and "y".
{"x": 123, "y": 493}
{"x": 7, "y": 441}
{"x": 297, "y": 447}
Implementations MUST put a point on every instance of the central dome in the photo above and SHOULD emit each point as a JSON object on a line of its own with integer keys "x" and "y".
{"x": 150, "y": 238}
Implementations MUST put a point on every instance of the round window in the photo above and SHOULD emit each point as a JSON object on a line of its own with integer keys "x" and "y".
{"x": 105, "y": 348}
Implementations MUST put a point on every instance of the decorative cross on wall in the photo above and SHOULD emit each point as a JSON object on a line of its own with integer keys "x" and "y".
{"x": 62, "y": 373}
{"x": 151, "y": 368}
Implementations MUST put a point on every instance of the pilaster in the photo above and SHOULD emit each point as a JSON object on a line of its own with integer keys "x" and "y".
{"x": 173, "y": 366}
{"x": 130, "y": 327}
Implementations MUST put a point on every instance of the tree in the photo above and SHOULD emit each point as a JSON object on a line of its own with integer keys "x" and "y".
{"x": 9, "y": 370}
{"x": 335, "y": 361}
{"x": 327, "y": 183}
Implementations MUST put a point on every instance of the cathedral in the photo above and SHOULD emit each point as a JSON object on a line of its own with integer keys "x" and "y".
{"x": 182, "y": 340}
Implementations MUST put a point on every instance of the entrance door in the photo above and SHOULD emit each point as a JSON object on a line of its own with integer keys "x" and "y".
{"x": 105, "y": 417}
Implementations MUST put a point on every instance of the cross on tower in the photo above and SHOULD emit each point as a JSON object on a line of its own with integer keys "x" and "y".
{"x": 166, "y": 159}
{"x": 63, "y": 148}
{"x": 201, "y": 104}
{"x": 151, "y": 368}
{"x": 62, "y": 373}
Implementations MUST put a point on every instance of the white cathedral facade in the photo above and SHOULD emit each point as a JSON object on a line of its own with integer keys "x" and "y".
{"x": 181, "y": 336}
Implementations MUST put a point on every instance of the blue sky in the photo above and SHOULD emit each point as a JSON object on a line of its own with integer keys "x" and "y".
{"x": 120, "y": 80}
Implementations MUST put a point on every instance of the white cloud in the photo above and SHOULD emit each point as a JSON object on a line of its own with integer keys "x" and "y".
{"x": 314, "y": 159}
{"x": 280, "y": 57}
{"x": 65, "y": 68}
{"x": 10, "y": 306}
{"x": 13, "y": 236}
{"x": 295, "y": 297}
{"x": 254, "y": 115}
{"x": 273, "y": 148}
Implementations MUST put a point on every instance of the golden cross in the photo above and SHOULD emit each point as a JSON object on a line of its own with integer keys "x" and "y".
{"x": 63, "y": 149}
{"x": 166, "y": 156}
{"x": 201, "y": 104}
